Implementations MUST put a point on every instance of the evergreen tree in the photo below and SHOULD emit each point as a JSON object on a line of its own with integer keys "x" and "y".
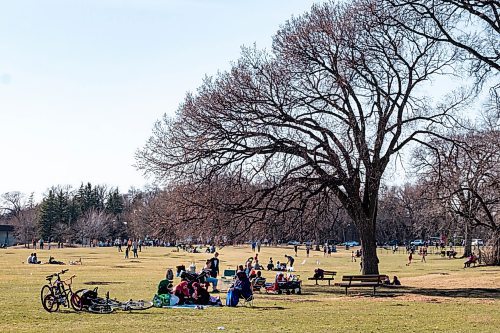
{"x": 48, "y": 215}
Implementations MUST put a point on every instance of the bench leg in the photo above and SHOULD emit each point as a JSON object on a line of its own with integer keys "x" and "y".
{"x": 316, "y": 281}
{"x": 329, "y": 282}
{"x": 374, "y": 290}
{"x": 346, "y": 291}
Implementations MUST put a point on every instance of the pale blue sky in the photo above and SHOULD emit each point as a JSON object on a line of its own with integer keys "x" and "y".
{"x": 83, "y": 81}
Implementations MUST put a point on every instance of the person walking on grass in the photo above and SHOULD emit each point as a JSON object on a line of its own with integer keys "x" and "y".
{"x": 127, "y": 249}
{"x": 410, "y": 257}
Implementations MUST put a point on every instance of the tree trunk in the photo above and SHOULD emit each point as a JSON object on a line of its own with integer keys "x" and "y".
{"x": 495, "y": 251}
{"x": 468, "y": 242}
{"x": 369, "y": 247}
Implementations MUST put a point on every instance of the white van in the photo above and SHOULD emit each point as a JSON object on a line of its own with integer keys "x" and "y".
{"x": 477, "y": 242}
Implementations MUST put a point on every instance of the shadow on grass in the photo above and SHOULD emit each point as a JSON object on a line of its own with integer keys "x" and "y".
{"x": 261, "y": 308}
{"x": 93, "y": 283}
{"x": 490, "y": 293}
{"x": 384, "y": 292}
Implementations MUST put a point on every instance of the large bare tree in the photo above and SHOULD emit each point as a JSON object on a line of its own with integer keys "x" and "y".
{"x": 472, "y": 26}
{"x": 325, "y": 111}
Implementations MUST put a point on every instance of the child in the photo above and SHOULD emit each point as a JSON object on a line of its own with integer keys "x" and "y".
{"x": 410, "y": 257}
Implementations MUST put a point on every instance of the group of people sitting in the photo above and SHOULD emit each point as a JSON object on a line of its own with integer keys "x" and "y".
{"x": 395, "y": 281}
{"x": 281, "y": 266}
{"x": 33, "y": 259}
{"x": 192, "y": 289}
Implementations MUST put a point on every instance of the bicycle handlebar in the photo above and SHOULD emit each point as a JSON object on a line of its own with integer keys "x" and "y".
{"x": 49, "y": 277}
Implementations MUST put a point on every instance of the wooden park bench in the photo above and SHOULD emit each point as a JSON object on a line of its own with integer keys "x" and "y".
{"x": 371, "y": 281}
{"x": 327, "y": 276}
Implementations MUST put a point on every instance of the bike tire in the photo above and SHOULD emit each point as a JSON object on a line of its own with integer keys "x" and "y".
{"x": 46, "y": 290}
{"x": 137, "y": 305}
{"x": 100, "y": 308}
{"x": 50, "y": 303}
{"x": 76, "y": 302}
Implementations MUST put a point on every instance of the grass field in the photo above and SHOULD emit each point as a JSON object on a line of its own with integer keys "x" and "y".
{"x": 438, "y": 296}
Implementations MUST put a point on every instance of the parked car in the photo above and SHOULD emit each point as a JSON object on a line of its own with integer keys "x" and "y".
{"x": 393, "y": 242}
{"x": 417, "y": 242}
{"x": 477, "y": 242}
{"x": 351, "y": 243}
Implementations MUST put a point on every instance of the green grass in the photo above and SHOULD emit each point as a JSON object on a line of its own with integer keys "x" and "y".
{"x": 438, "y": 296}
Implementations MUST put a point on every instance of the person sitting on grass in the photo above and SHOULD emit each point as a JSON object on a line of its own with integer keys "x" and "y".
{"x": 270, "y": 264}
{"x": 395, "y": 281}
{"x": 182, "y": 292}
{"x": 165, "y": 286}
{"x": 52, "y": 261}
{"x": 200, "y": 294}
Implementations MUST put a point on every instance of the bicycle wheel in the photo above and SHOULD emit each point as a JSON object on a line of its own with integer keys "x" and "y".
{"x": 46, "y": 290}
{"x": 76, "y": 302}
{"x": 100, "y": 308}
{"x": 136, "y": 305}
{"x": 50, "y": 303}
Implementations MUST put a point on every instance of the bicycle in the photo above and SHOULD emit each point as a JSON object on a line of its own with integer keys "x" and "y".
{"x": 47, "y": 289}
{"x": 60, "y": 295}
{"x": 107, "y": 305}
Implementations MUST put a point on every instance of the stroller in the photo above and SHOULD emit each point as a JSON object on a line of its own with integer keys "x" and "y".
{"x": 282, "y": 284}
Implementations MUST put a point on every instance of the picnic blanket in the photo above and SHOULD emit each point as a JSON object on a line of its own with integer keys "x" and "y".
{"x": 189, "y": 306}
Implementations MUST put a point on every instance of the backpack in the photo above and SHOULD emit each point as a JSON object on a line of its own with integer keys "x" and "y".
{"x": 161, "y": 300}
{"x": 232, "y": 298}
{"x": 87, "y": 297}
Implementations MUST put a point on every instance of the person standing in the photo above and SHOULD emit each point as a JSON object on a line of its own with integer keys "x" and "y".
{"x": 215, "y": 263}
{"x": 307, "y": 250}
{"x": 258, "y": 246}
{"x": 424, "y": 253}
{"x": 134, "y": 249}
{"x": 140, "y": 245}
{"x": 127, "y": 249}
{"x": 295, "y": 248}
{"x": 290, "y": 260}
{"x": 41, "y": 243}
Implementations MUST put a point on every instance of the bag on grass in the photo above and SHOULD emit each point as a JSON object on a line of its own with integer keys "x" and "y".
{"x": 232, "y": 297}
{"x": 161, "y": 300}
